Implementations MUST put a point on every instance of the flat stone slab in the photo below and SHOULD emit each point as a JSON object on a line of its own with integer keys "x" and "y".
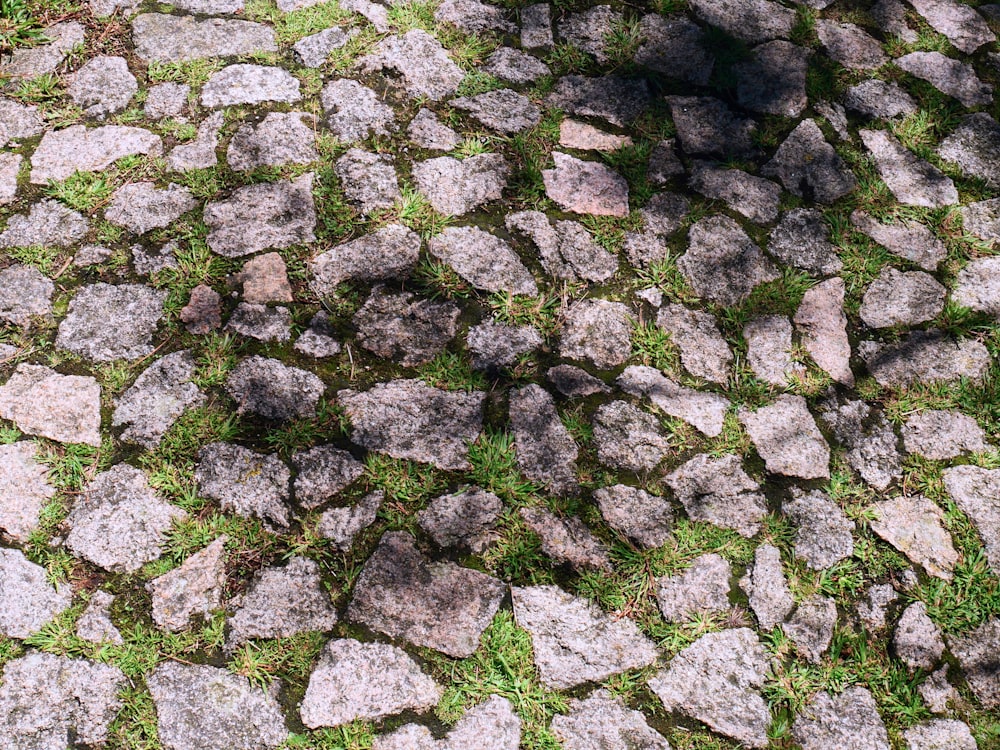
{"x": 978, "y": 286}
{"x": 24, "y": 489}
{"x": 24, "y": 293}
{"x": 718, "y": 491}
{"x": 823, "y": 536}
{"x": 940, "y": 733}
{"x": 617, "y": 100}
{"x": 917, "y": 640}
{"x": 30, "y": 600}
{"x": 809, "y": 167}
{"x": 766, "y": 588}
{"x": 752, "y": 21}
{"x": 925, "y": 357}
{"x": 701, "y": 409}
{"x": 787, "y": 438}
{"x": 636, "y": 514}
{"x": 598, "y": 331}
{"x": 258, "y": 217}
{"x": 901, "y": 298}
{"x": 878, "y": 98}
{"x": 191, "y": 591}
{"x": 79, "y": 149}
{"x": 974, "y": 490}
{"x": 706, "y": 126}
{"x": 492, "y": 725}
{"x": 409, "y": 419}
{"x": 107, "y": 322}
{"x": 848, "y": 720}
{"x": 722, "y": 263}
{"x": 913, "y": 181}
{"x": 280, "y": 138}
{"x": 341, "y": 525}
{"x": 574, "y": 641}
{"x": 368, "y": 180}
{"x": 802, "y": 239}
{"x": 95, "y": 623}
{"x": 545, "y": 450}
{"x": 586, "y": 187}
{"x": 48, "y": 222}
{"x": 387, "y": 253}
{"x": 322, "y": 472}
{"x": 915, "y": 526}
{"x": 141, "y": 206}
{"x": 907, "y": 239}
{"x": 353, "y": 111}
{"x": 676, "y": 47}
{"x": 420, "y": 60}
{"x": 157, "y": 399}
{"x": 440, "y": 605}
{"x": 976, "y": 654}
{"x": 773, "y": 80}
{"x": 167, "y": 38}
{"x": 822, "y": 323}
{"x": 753, "y": 197}
{"x": 701, "y": 589}
{"x": 483, "y": 259}
{"x": 462, "y": 519}
{"x": 243, "y": 481}
{"x": 850, "y": 46}
{"x": 102, "y": 86}
{"x": 250, "y": 84}
{"x": 456, "y": 186}
{"x": 64, "y": 408}
{"x": 602, "y": 720}
{"x": 810, "y": 627}
{"x": 629, "y": 438}
{"x": 503, "y": 110}
{"x": 398, "y": 326}
{"x": 949, "y": 76}
{"x": 975, "y": 147}
{"x": 31, "y": 62}
{"x": 567, "y": 540}
{"x": 495, "y": 346}
{"x": 964, "y": 27}
{"x": 704, "y": 352}
{"x": 940, "y": 434}
{"x": 769, "y": 350}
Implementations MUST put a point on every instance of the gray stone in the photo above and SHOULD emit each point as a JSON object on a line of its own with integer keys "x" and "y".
{"x": 103, "y": 86}
{"x": 249, "y": 84}
{"x": 589, "y": 30}
{"x": 313, "y": 50}
{"x": 975, "y": 147}
{"x": 29, "y": 599}
{"x": 420, "y": 60}
{"x": 949, "y": 76}
{"x": 502, "y": 110}
{"x": 722, "y": 263}
{"x": 917, "y": 640}
{"x": 575, "y": 382}
{"x": 492, "y": 725}
{"x": 822, "y": 324}
{"x": 322, "y": 472}
{"x": 24, "y": 294}
{"x": 398, "y": 326}
{"x": 210, "y": 7}
{"x": 157, "y": 399}
{"x": 719, "y": 492}
{"x": 24, "y": 489}
{"x": 938, "y": 693}
{"x": 199, "y": 153}
{"x": 809, "y": 167}
{"x": 141, "y": 206}
{"x": 377, "y": 15}
{"x": 963, "y": 26}
{"x": 716, "y": 680}
{"x": 474, "y": 16}
{"x": 628, "y": 438}
{"x": 341, "y": 525}
{"x": 536, "y": 26}
{"x": 95, "y": 625}
{"x": 318, "y": 339}
{"x": 663, "y": 165}
{"x": 261, "y": 322}
{"x": 167, "y": 38}
{"x": 427, "y": 131}
{"x": 909, "y": 240}
{"x": 567, "y": 540}
{"x": 769, "y": 347}
{"x": 119, "y": 522}
{"x": 706, "y": 126}
{"x": 545, "y": 450}
{"x": 603, "y": 721}
{"x": 483, "y": 259}
{"x": 615, "y": 99}
{"x": 848, "y": 721}
{"x": 567, "y": 249}
{"x": 978, "y": 286}
{"x": 766, "y": 588}
{"x": 747, "y": 20}
{"x": 77, "y": 149}
{"x": 876, "y": 98}
{"x": 676, "y": 47}
{"x": 872, "y": 611}
{"x": 64, "y": 408}
{"x": 148, "y": 260}
{"x": 901, "y": 298}
{"x": 46, "y": 699}
{"x": 19, "y": 121}
{"x": 496, "y": 346}
{"x": 91, "y": 255}
{"x": 273, "y": 390}
{"x": 280, "y": 138}
{"x": 248, "y": 483}
{"x": 914, "y": 525}
{"x": 574, "y": 642}
{"x": 387, "y": 253}
{"x": 940, "y": 734}
{"x": 108, "y": 322}
{"x": 913, "y": 181}
{"x": 925, "y": 356}
{"x": 462, "y": 519}
{"x": 701, "y": 589}
{"x": 823, "y": 535}
{"x": 258, "y": 217}
{"x": 702, "y": 410}
{"x": 849, "y": 45}
{"x": 982, "y": 219}
{"x": 704, "y": 353}
{"x": 515, "y": 66}
{"x": 586, "y": 187}
{"x": 368, "y": 180}
{"x": 977, "y": 656}
{"x": 48, "y": 223}
{"x": 194, "y": 589}
{"x": 199, "y": 707}
{"x": 974, "y": 491}
{"x": 454, "y": 187}
{"x": 440, "y": 605}
{"x": 10, "y": 167}
{"x": 773, "y": 82}
{"x": 31, "y": 62}
{"x": 786, "y": 437}
{"x": 166, "y": 100}
{"x": 753, "y": 197}
{"x": 409, "y": 419}
{"x": 802, "y": 239}
{"x": 637, "y": 515}
{"x": 811, "y": 626}
{"x": 940, "y": 434}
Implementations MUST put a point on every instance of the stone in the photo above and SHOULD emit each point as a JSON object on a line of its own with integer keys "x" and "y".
{"x": 811, "y": 626}
{"x": 440, "y": 605}
{"x": 273, "y": 390}
{"x": 462, "y": 519}
{"x": 722, "y": 263}
{"x": 982, "y": 219}
{"x": 387, "y": 253}
{"x": 157, "y": 398}
{"x": 166, "y": 100}
{"x": 663, "y": 166}
{"x": 628, "y": 438}
{"x": 77, "y": 149}
{"x": 872, "y": 611}
{"x": 585, "y": 187}
{"x": 32, "y": 62}
{"x": 787, "y": 438}
{"x": 701, "y": 589}
{"x": 474, "y": 16}
{"x": 925, "y": 356}
{"x": 282, "y": 602}
{"x": 850, "y": 46}
{"x": 975, "y": 147}
{"x": 261, "y": 322}
{"x": 615, "y": 99}
{"x": 909, "y": 240}
{"x": 95, "y": 625}
{"x": 419, "y": 60}
{"x": 809, "y": 167}
{"x": 91, "y": 255}
{"x": 503, "y": 110}
{"x": 914, "y": 526}
{"x": 676, "y": 47}
{"x": 192, "y": 590}
{"x": 849, "y": 721}
{"x": 822, "y": 324}
{"x": 409, "y": 419}
{"x": 515, "y": 66}
{"x": 64, "y": 408}
{"x": 280, "y": 138}
{"x": 148, "y": 261}
{"x": 719, "y": 492}
{"x": 601, "y": 720}
{"x": 483, "y": 259}
{"x": 427, "y": 131}
{"x": 766, "y": 588}
{"x": 341, "y": 525}
{"x": 869, "y": 439}
{"x": 702, "y": 410}
{"x": 45, "y": 699}
{"x": 248, "y": 483}
{"x": 24, "y": 489}
{"x": 167, "y": 38}
{"x": 567, "y": 540}
{"x": 704, "y": 353}
{"x": 199, "y": 153}
{"x": 641, "y": 517}
{"x": 199, "y": 707}
{"x": 769, "y": 349}
{"x": 19, "y": 120}
{"x": 753, "y": 197}
{"x": 24, "y": 294}
{"x": 901, "y": 298}
{"x": 30, "y": 601}
{"x": 265, "y": 279}
{"x": 48, "y": 223}
{"x": 536, "y": 26}
{"x": 978, "y": 286}
{"x": 589, "y": 30}
{"x": 748, "y": 20}
{"x": 355, "y": 112}
{"x": 492, "y": 725}
{"x": 575, "y": 382}
{"x": 974, "y": 490}
{"x": 103, "y": 86}
{"x": 400, "y": 327}
{"x": 917, "y": 640}
{"x": 823, "y": 534}
{"x": 454, "y": 187}
{"x": 545, "y": 450}
{"x": 716, "y": 680}
{"x": 573, "y": 641}
{"x": 876, "y": 98}
{"x": 964, "y": 27}
{"x": 940, "y": 734}
{"x": 976, "y": 654}
{"x": 707, "y": 127}
{"x": 249, "y": 84}
{"x": 940, "y": 434}
{"x": 141, "y": 206}
{"x": 318, "y": 339}
{"x": 912, "y": 181}
{"x": 773, "y": 81}
{"x": 567, "y": 249}
{"x": 890, "y": 15}
{"x": 368, "y": 180}
{"x": 495, "y": 346}
{"x": 10, "y": 167}
{"x": 263, "y": 216}
{"x": 802, "y": 240}
{"x": 937, "y": 692}
{"x": 948, "y": 76}
{"x": 377, "y": 15}
{"x": 211, "y": 7}
{"x": 322, "y": 472}
{"x": 313, "y": 50}
{"x": 203, "y": 312}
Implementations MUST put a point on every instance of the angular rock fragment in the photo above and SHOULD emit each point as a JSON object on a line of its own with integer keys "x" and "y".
{"x": 901, "y": 298}
{"x": 766, "y": 588}
{"x": 628, "y": 438}
{"x": 748, "y": 20}
{"x": 586, "y": 187}
{"x": 822, "y": 323}
{"x": 588, "y": 30}
{"x": 495, "y": 346}
{"x": 811, "y": 626}
{"x": 769, "y": 347}
{"x": 949, "y": 76}
{"x": 10, "y": 167}
{"x": 567, "y": 249}
{"x": 753, "y": 197}
{"x": 355, "y": 112}
{"x": 410, "y": 330}
{"x": 701, "y": 589}
{"x": 917, "y": 640}
{"x": 615, "y": 99}
{"x": 103, "y": 86}
{"x": 166, "y": 100}
{"x": 313, "y": 50}
{"x": 718, "y": 491}
{"x": 503, "y": 110}
{"x": 24, "y": 293}
{"x": 48, "y": 222}
{"x": 676, "y": 47}
{"x": 974, "y": 490}
{"x": 925, "y": 357}
{"x": 280, "y": 138}
{"x": 877, "y": 98}
{"x": 273, "y": 390}
{"x": 706, "y": 126}
{"x": 192, "y": 590}
{"x": 108, "y": 322}
{"x": 31, "y": 62}
{"x": 802, "y": 239}
{"x": 636, "y": 514}
{"x": 157, "y": 398}
{"x": 141, "y": 206}
{"x": 567, "y": 540}
{"x": 250, "y": 84}
{"x": 454, "y": 187}
{"x": 809, "y": 167}
{"x": 978, "y": 286}
{"x": 872, "y": 611}
{"x": 913, "y": 181}
{"x": 341, "y": 525}
{"x": 167, "y": 38}
{"x": 545, "y": 450}
{"x": 464, "y": 518}
{"x": 869, "y": 439}
{"x": 24, "y": 489}
{"x": 64, "y": 408}
{"x": 95, "y": 625}
{"x": 29, "y": 599}
{"x": 938, "y": 693}
{"x": 483, "y": 259}
{"x": 261, "y": 322}
{"x": 603, "y": 721}
{"x": 427, "y": 131}
{"x": 773, "y": 81}
{"x": 703, "y": 410}
{"x": 368, "y": 180}
{"x": 963, "y": 26}
{"x": 907, "y": 239}
{"x": 420, "y": 60}
{"x": 977, "y": 654}
{"x": 940, "y": 434}
{"x": 199, "y": 153}
{"x": 975, "y": 147}
{"x": 824, "y": 534}
{"x": 786, "y": 437}
{"x": 850, "y": 46}
{"x": 704, "y": 353}
{"x": 598, "y": 331}
{"x": 322, "y": 472}
{"x": 722, "y": 263}
{"x": 847, "y": 720}
{"x": 388, "y": 253}
{"x": 515, "y": 66}
{"x": 77, "y": 149}
{"x": 914, "y": 526}
{"x": 492, "y": 725}
{"x": 575, "y": 382}
{"x": 318, "y": 339}
{"x": 940, "y": 734}
{"x": 243, "y": 481}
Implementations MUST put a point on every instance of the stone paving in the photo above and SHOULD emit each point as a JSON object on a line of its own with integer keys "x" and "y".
{"x": 441, "y": 374}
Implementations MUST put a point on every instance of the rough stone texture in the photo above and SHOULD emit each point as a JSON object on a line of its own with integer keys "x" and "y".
{"x": 598, "y": 331}
{"x": 766, "y": 588}
{"x": 978, "y": 286}
{"x": 964, "y": 27}
{"x": 462, "y": 519}
{"x": 440, "y": 605}
{"x": 769, "y": 347}
{"x": 849, "y": 45}
{"x": 503, "y": 110}
{"x": 47, "y": 223}
{"x": 199, "y": 707}
{"x": 574, "y": 641}
{"x": 703, "y": 410}
{"x": 515, "y": 66}
{"x": 245, "y": 482}
{"x": 701, "y": 589}
{"x": 24, "y": 489}
{"x": 495, "y": 346}
{"x": 925, "y": 356}
{"x": 907, "y": 239}
{"x": 938, "y": 693}
{"x": 704, "y": 353}
{"x": 249, "y": 84}
{"x": 318, "y": 339}
{"x": 567, "y": 540}
{"x": 167, "y": 38}
{"x": 976, "y": 654}
{"x": 265, "y": 279}
{"x": 199, "y": 153}
{"x": 108, "y": 322}
{"x": 586, "y": 187}
{"x": 773, "y": 81}
{"x": 636, "y": 514}
{"x": 890, "y": 15}
{"x": 588, "y": 30}
{"x": 914, "y": 526}
{"x": 849, "y": 721}
{"x": 718, "y": 491}
{"x": 809, "y": 167}
{"x": 940, "y": 734}
{"x": 716, "y": 681}
{"x": 545, "y": 450}
{"x": 31, "y": 62}
{"x": 427, "y": 131}
{"x": 273, "y": 390}
{"x": 822, "y": 323}
{"x": 141, "y": 206}
{"x": 877, "y": 98}
{"x": 95, "y": 623}
{"x": 166, "y": 100}
{"x": 354, "y": 112}
{"x": 601, "y": 720}
{"x": 368, "y": 180}
{"x": 280, "y": 138}
{"x": 388, "y": 253}
{"x": 917, "y": 640}
{"x": 29, "y": 599}
{"x": 941, "y": 434}
{"x": 492, "y": 725}
{"x": 567, "y": 249}
{"x": 811, "y": 626}
{"x": 157, "y": 399}
{"x": 313, "y": 50}
{"x": 19, "y": 120}
{"x": 24, "y": 293}
{"x": 483, "y": 259}
{"x": 722, "y": 263}
{"x": 258, "y": 217}
{"x": 975, "y": 147}
{"x": 420, "y": 60}
{"x": 45, "y": 699}
{"x": 753, "y": 197}
{"x": 869, "y": 438}
{"x": 748, "y": 20}
{"x": 872, "y": 611}
{"x": 982, "y": 219}
{"x": 77, "y": 149}
{"x": 802, "y": 239}
{"x": 615, "y": 99}
{"x": 912, "y": 181}
{"x": 575, "y": 382}
{"x": 454, "y": 187}
{"x": 64, "y": 408}
{"x": 706, "y": 126}
{"x": 192, "y": 590}
{"x": 974, "y": 491}
{"x": 786, "y": 436}
{"x": 10, "y": 167}
{"x": 901, "y": 298}
{"x": 674, "y": 46}
{"x": 261, "y": 322}
{"x": 949, "y": 76}
{"x": 824, "y": 533}
{"x": 584, "y": 137}
{"x": 628, "y": 438}
{"x": 341, "y": 525}
{"x": 409, "y": 330}
{"x": 322, "y": 472}
{"x": 103, "y": 86}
